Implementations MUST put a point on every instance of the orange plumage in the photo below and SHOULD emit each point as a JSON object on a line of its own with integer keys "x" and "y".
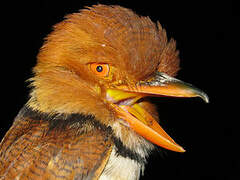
{"x": 87, "y": 117}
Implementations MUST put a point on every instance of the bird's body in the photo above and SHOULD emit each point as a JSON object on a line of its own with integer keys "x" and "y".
{"x": 87, "y": 117}
{"x": 36, "y": 148}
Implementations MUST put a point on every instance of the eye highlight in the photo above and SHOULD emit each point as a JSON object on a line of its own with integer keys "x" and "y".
{"x": 100, "y": 69}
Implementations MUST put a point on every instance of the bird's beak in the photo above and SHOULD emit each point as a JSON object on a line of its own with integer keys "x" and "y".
{"x": 124, "y": 99}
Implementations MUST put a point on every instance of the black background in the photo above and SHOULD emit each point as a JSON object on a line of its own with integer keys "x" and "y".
{"x": 205, "y": 32}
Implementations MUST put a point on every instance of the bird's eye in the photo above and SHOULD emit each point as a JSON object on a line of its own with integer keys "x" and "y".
{"x": 100, "y": 69}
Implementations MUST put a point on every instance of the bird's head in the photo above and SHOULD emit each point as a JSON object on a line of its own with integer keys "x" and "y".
{"x": 104, "y": 61}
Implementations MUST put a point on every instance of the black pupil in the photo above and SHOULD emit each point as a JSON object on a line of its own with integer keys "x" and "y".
{"x": 99, "y": 68}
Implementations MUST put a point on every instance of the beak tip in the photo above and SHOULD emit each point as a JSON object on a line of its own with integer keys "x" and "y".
{"x": 182, "y": 150}
{"x": 179, "y": 149}
{"x": 205, "y": 97}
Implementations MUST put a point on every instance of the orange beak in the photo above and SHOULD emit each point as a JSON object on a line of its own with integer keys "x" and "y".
{"x": 124, "y": 100}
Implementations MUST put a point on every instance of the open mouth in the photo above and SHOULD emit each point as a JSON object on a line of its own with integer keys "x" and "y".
{"x": 125, "y": 101}
{"x": 141, "y": 121}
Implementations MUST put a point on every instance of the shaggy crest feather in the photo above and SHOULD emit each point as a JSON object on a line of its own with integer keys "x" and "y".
{"x": 131, "y": 42}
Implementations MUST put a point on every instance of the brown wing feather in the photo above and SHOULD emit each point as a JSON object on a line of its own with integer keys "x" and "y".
{"x": 29, "y": 152}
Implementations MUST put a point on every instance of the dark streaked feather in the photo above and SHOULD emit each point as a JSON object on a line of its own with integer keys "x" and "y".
{"x": 30, "y": 150}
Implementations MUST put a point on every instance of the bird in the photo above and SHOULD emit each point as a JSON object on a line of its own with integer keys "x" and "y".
{"x": 88, "y": 115}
